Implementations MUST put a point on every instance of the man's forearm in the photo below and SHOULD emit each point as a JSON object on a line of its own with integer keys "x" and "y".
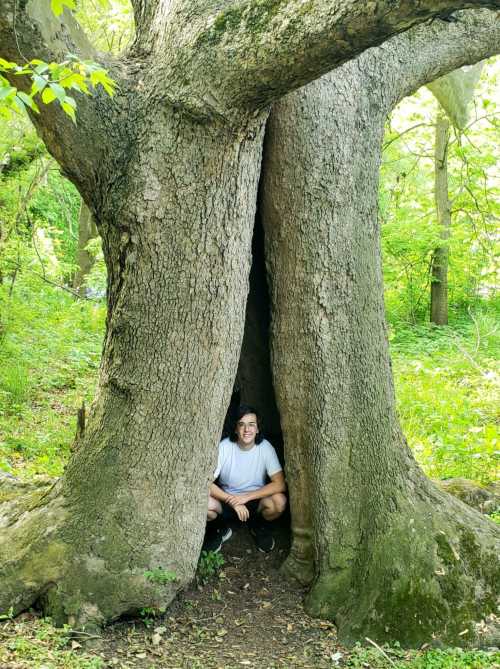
{"x": 267, "y": 490}
{"x": 218, "y": 493}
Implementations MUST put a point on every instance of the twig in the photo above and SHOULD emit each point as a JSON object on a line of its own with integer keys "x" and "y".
{"x": 468, "y": 356}
{"x": 380, "y": 650}
{"x": 87, "y": 634}
{"x": 413, "y": 127}
{"x": 52, "y": 283}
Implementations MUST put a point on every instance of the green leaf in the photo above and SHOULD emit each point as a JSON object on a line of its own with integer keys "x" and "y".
{"x": 58, "y": 91}
{"x": 39, "y": 84}
{"x": 48, "y": 96}
{"x": 6, "y": 65}
{"x": 70, "y": 101}
{"x": 101, "y": 77}
{"x": 28, "y": 101}
{"x": 41, "y": 67}
{"x": 57, "y": 6}
{"x": 69, "y": 110}
{"x": 6, "y": 91}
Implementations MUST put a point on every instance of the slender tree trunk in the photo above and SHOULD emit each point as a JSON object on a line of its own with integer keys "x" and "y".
{"x": 439, "y": 284}
{"x": 391, "y": 557}
{"x": 134, "y": 494}
{"x": 87, "y": 231}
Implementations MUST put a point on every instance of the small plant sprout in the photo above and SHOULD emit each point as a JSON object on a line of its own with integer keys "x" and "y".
{"x": 209, "y": 565}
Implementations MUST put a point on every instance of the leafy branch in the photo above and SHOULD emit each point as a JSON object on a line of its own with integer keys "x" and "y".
{"x": 52, "y": 82}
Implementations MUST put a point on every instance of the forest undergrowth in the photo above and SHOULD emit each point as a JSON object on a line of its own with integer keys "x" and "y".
{"x": 446, "y": 379}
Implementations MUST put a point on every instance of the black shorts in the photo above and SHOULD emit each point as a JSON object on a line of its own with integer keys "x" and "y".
{"x": 228, "y": 513}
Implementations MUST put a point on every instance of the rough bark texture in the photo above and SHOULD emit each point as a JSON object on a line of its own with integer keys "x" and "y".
{"x": 439, "y": 270}
{"x": 169, "y": 170}
{"x": 177, "y": 244}
{"x": 391, "y": 557}
{"x": 87, "y": 230}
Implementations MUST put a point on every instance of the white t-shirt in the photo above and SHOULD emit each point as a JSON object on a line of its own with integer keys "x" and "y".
{"x": 242, "y": 471}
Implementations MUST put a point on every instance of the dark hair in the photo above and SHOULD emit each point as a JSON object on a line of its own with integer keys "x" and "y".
{"x": 242, "y": 410}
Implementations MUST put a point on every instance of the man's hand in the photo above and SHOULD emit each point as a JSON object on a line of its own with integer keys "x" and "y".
{"x": 234, "y": 500}
{"x": 242, "y": 512}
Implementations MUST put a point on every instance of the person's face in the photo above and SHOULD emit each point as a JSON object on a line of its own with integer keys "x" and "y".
{"x": 247, "y": 429}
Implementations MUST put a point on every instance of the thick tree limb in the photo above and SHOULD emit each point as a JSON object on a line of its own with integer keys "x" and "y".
{"x": 248, "y": 54}
{"x": 428, "y": 52}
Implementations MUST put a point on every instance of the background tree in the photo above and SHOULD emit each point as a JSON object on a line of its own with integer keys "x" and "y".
{"x": 85, "y": 259}
{"x": 407, "y": 207}
{"x": 172, "y": 184}
{"x": 455, "y": 93}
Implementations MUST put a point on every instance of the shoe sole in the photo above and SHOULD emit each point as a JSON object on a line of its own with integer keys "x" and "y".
{"x": 225, "y": 537}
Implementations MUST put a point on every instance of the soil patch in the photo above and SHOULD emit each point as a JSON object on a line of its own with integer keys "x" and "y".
{"x": 248, "y": 616}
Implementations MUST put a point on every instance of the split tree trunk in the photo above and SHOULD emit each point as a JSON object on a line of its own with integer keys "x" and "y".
{"x": 389, "y": 555}
{"x": 439, "y": 283}
{"x": 172, "y": 182}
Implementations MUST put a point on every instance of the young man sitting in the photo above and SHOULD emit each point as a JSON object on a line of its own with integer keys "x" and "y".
{"x": 246, "y": 459}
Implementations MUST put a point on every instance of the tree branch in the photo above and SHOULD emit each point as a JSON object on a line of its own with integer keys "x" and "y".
{"x": 427, "y": 52}
{"x": 250, "y": 53}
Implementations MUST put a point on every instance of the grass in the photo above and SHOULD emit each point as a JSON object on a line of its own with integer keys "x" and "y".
{"x": 49, "y": 355}
{"x": 33, "y": 643}
{"x": 396, "y": 658}
{"x": 447, "y": 387}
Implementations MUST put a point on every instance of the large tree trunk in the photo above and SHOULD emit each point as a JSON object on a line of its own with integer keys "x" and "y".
{"x": 133, "y": 497}
{"x": 391, "y": 557}
{"x": 170, "y": 171}
{"x": 439, "y": 284}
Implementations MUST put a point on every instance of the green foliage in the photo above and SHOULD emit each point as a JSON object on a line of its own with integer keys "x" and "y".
{"x": 150, "y": 613}
{"x": 49, "y": 355}
{"x": 33, "y": 643}
{"x": 160, "y": 576}
{"x": 209, "y": 565}
{"x": 447, "y": 382}
{"x": 51, "y": 82}
{"x": 109, "y": 25}
{"x": 495, "y": 517}
{"x": 395, "y": 658}
{"x": 58, "y": 6}
{"x": 410, "y": 231}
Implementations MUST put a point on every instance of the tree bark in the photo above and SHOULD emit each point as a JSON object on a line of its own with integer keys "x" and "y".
{"x": 170, "y": 171}
{"x": 439, "y": 270}
{"x": 177, "y": 242}
{"x": 87, "y": 230}
{"x": 390, "y": 556}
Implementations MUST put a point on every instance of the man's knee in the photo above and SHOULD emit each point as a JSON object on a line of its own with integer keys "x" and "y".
{"x": 272, "y": 507}
{"x": 214, "y": 508}
{"x": 279, "y": 501}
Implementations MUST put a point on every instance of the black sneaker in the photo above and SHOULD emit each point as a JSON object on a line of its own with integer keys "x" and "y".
{"x": 263, "y": 538}
{"x": 215, "y": 537}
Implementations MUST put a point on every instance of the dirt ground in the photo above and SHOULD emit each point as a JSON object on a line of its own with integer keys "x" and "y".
{"x": 249, "y": 616}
